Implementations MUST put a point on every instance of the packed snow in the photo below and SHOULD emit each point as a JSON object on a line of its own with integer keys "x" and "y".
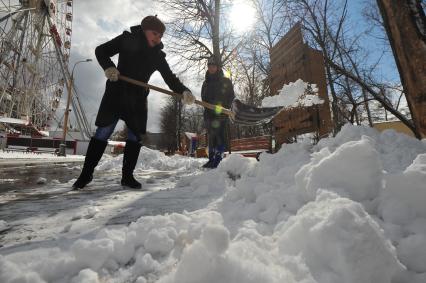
{"x": 348, "y": 209}
{"x": 295, "y": 94}
{"x": 3, "y": 225}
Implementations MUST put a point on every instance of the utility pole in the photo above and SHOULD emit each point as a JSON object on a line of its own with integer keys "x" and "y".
{"x": 62, "y": 146}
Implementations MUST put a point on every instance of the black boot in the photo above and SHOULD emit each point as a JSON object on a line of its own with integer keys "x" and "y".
{"x": 130, "y": 158}
{"x": 211, "y": 159}
{"x": 217, "y": 156}
{"x": 95, "y": 150}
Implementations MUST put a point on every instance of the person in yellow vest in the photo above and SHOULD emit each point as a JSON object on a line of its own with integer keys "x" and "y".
{"x": 217, "y": 90}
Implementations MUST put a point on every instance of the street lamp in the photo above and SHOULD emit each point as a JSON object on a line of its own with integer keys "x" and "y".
{"x": 62, "y": 146}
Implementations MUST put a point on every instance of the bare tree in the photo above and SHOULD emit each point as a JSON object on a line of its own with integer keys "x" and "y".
{"x": 193, "y": 121}
{"x": 251, "y": 63}
{"x": 198, "y": 33}
{"x": 274, "y": 20}
{"x": 169, "y": 123}
{"x": 326, "y": 23}
{"x": 351, "y": 56}
{"x": 252, "y": 84}
{"x": 322, "y": 21}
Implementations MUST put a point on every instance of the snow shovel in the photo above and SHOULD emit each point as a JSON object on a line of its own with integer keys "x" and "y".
{"x": 239, "y": 113}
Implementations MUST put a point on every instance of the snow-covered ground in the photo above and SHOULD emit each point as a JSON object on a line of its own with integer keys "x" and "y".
{"x": 349, "y": 209}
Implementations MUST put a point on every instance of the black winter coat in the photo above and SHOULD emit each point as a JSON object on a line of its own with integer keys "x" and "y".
{"x": 217, "y": 90}
{"x": 138, "y": 61}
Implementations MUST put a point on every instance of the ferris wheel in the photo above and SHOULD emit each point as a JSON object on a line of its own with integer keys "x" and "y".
{"x": 34, "y": 53}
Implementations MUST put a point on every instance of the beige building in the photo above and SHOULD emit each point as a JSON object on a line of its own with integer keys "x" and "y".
{"x": 395, "y": 125}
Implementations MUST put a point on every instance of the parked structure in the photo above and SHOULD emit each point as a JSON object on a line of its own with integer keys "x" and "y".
{"x": 292, "y": 59}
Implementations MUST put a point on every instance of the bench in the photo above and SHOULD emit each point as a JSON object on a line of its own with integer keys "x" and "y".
{"x": 252, "y": 147}
{"x": 201, "y": 152}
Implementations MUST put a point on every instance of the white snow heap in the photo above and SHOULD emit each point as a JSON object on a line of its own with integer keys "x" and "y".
{"x": 216, "y": 239}
{"x": 349, "y": 209}
{"x": 399, "y": 202}
{"x": 339, "y": 241}
{"x": 86, "y": 276}
{"x": 150, "y": 159}
{"x": 298, "y": 93}
{"x": 353, "y": 170}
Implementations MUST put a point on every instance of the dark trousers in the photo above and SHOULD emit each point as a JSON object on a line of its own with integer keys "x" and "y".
{"x": 217, "y": 134}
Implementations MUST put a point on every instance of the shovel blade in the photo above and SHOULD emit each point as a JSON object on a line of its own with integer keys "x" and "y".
{"x": 251, "y": 115}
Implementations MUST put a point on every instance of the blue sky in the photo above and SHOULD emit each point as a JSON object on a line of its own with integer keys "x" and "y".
{"x": 98, "y": 21}
{"x": 387, "y": 68}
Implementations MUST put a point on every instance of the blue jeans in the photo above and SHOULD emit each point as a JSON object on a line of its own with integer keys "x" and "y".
{"x": 103, "y": 133}
{"x": 216, "y": 130}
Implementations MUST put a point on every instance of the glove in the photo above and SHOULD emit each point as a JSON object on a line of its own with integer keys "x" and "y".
{"x": 187, "y": 97}
{"x": 112, "y": 74}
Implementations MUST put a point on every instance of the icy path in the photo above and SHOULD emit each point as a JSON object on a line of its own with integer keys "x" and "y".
{"x": 51, "y": 211}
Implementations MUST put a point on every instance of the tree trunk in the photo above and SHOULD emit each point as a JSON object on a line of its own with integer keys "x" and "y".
{"x": 334, "y": 106}
{"x": 367, "y": 107}
{"x": 405, "y": 25}
{"x": 216, "y": 37}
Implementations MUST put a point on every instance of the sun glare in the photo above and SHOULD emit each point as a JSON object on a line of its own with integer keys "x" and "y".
{"x": 242, "y": 16}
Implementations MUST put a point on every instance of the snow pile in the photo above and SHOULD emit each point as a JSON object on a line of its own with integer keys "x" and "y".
{"x": 339, "y": 240}
{"x": 396, "y": 151}
{"x": 152, "y": 159}
{"x": 405, "y": 193}
{"x": 350, "y": 209}
{"x": 298, "y": 93}
{"x": 353, "y": 170}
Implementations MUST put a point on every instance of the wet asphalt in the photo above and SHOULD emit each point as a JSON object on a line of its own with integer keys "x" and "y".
{"x": 24, "y": 175}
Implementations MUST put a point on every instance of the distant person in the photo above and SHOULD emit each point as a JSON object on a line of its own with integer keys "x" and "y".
{"x": 217, "y": 90}
{"x": 140, "y": 54}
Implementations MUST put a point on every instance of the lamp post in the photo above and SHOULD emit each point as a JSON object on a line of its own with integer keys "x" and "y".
{"x": 62, "y": 146}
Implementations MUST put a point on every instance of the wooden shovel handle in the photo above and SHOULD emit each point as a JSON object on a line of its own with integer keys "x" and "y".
{"x": 159, "y": 89}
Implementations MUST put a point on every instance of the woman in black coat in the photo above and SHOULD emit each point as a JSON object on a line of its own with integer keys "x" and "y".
{"x": 217, "y": 90}
{"x": 140, "y": 55}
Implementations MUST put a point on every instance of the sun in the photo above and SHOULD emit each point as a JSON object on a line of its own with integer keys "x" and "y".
{"x": 242, "y": 16}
